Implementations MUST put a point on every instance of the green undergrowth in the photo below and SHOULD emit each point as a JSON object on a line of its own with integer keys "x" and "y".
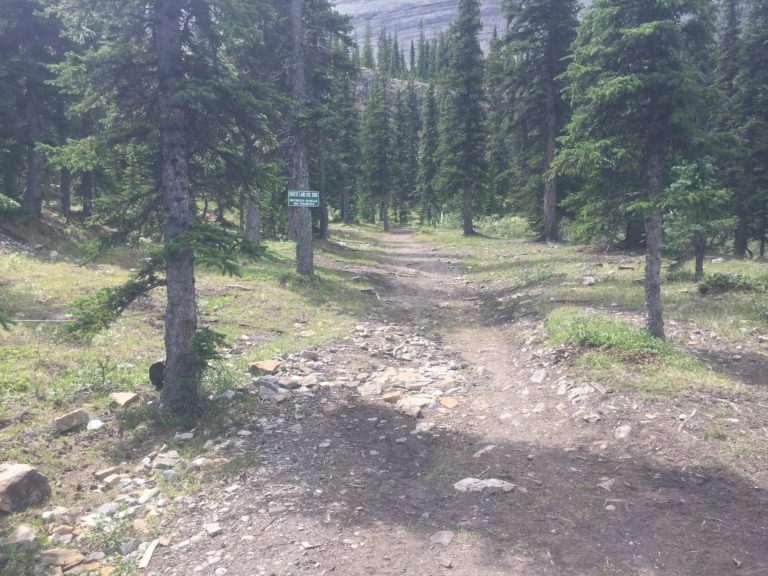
{"x": 533, "y": 281}
{"x": 267, "y": 311}
{"x": 626, "y": 356}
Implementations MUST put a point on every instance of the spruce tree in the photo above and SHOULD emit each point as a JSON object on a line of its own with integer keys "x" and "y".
{"x": 368, "y": 60}
{"x": 462, "y": 137}
{"x": 635, "y": 98}
{"x": 538, "y": 37}
{"x": 428, "y": 163}
{"x": 376, "y": 149}
{"x": 498, "y": 150}
{"x": 30, "y": 42}
{"x": 754, "y": 129}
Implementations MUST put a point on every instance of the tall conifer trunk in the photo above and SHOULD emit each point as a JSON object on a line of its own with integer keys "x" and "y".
{"x": 699, "y": 249}
{"x": 253, "y": 220}
{"x": 33, "y": 199}
{"x": 300, "y": 167}
{"x": 323, "y": 199}
{"x": 86, "y": 194}
{"x": 550, "y": 232}
{"x": 65, "y": 184}
{"x": 179, "y": 393}
{"x": 466, "y": 211}
{"x": 653, "y": 226}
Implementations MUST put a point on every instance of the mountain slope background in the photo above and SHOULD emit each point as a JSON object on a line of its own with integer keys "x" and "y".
{"x": 404, "y": 16}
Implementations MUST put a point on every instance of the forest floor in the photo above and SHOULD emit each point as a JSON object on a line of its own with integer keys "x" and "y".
{"x": 641, "y": 462}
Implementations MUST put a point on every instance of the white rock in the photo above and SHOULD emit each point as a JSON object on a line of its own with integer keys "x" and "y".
{"x": 443, "y": 537}
{"x": 95, "y": 424}
{"x": 23, "y": 537}
{"x": 538, "y": 376}
{"x": 491, "y": 486}
{"x": 622, "y": 432}
{"x": 213, "y": 528}
{"x": 369, "y": 389}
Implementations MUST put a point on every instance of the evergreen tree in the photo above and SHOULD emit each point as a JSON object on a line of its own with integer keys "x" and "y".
{"x": 376, "y": 151}
{"x": 498, "y": 151}
{"x": 730, "y": 64}
{"x": 538, "y": 37}
{"x": 368, "y": 60}
{"x": 428, "y": 163}
{"x": 754, "y": 130}
{"x": 462, "y": 137}
{"x": 422, "y": 65}
{"x": 178, "y": 118}
{"x": 30, "y": 41}
{"x": 635, "y": 98}
{"x": 383, "y": 51}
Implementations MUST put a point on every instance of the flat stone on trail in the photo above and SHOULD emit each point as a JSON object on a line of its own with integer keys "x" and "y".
{"x": 123, "y": 399}
{"x": 412, "y": 405}
{"x": 213, "y": 529}
{"x": 23, "y": 537}
{"x": 21, "y": 486}
{"x": 61, "y": 557}
{"x": 449, "y": 402}
{"x": 392, "y": 397}
{"x": 71, "y": 421}
{"x": 491, "y": 486}
{"x": 108, "y": 509}
{"x": 622, "y": 432}
{"x": 443, "y": 537}
{"x": 166, "y": 460}
{"x": 264, "y": 367}
{"x": 538, "y": 376}
{"x": 579, "y": 394}
{"x": 369, "y": 389}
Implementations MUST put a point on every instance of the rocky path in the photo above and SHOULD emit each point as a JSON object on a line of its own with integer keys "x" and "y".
{"x": 441, "y": 438}
{"x": 361, "y": 473}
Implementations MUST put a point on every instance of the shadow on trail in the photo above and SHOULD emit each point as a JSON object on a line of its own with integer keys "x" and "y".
{"x": 647, "y": 518}
{"x": 750, "y": 368}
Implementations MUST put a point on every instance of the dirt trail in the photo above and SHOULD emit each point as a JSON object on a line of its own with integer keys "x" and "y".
{"x": 346, "y": 482}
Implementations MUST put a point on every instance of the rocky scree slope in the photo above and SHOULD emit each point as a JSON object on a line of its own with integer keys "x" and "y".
{"x": 404, "y": 16}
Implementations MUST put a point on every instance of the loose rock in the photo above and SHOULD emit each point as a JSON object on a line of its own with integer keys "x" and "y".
{"x": 443, "y": 537}
{"x": 61, "y": 557}
{"x": 491, "y": 486}
{"x": 23, "y": 537}
{"x": 71, "y": 421}
{"x": 21, "y": 486}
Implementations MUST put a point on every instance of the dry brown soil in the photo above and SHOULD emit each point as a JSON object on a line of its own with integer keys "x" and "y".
{"x": 633, "y": 493}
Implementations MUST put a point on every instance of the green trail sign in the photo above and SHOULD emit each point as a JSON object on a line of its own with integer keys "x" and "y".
{"x": 303, "y": 199}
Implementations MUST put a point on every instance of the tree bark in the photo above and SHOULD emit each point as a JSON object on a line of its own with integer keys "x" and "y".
{"x": 65, "y": 184}
{"x": 385, "y": 212}
{"x": 741, "y": 237}
{"x": 253, "y": 219}
{"x": 653, "y": 227}
{"x": 86, "y": 194}
{"x": 33, "y": 199}
{"x": 550, "y": 231}
{"x": 634, "y": 236}
{"x": 763, "y": 225}
{"x": 699, "y": 249}
{"x": 324, "y": 219}
{"x": 179, "y": 393}
{"x": 345, "y": 207}
{"x": 469, "y": 228}
{"x": 300, "y": 167}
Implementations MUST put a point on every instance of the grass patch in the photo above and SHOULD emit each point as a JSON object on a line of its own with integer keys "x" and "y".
{"x": 626, "y": 356}
{"x": 268, "y": 311}
{"x": 573, "y": 326}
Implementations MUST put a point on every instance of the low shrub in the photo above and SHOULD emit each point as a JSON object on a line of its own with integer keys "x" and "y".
{"x": 722, "y": 282}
